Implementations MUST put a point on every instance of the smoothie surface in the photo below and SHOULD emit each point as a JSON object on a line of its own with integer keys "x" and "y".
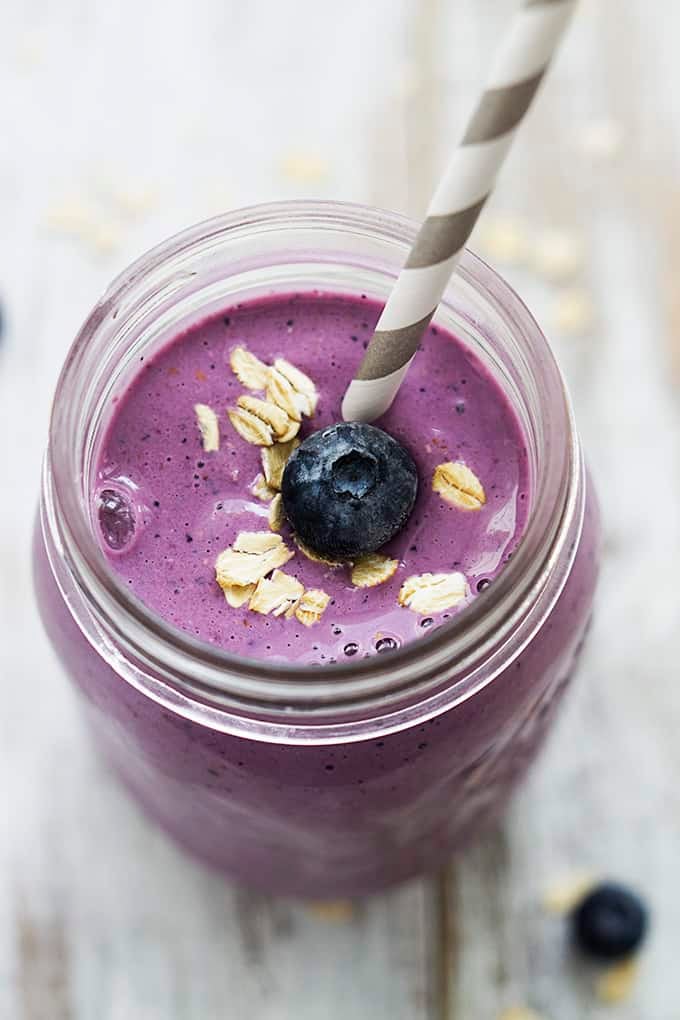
{"x": 175, "y": 507}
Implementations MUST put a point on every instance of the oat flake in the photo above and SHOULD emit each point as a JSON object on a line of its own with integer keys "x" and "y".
{"x": 616, "y": 984}
{"x": 312, "y": 606}
{"x": 209, "y": 427}
{"x": 274, "y": 460}
{"x": 277, "y": 596}
{"x": 270, "y": 414}
{"x": 368, "y": 571}
{"x": 248, "y": 369}
{"x": 459, "y": 485}
{"x": 252, "y": 556}
{"x": 250, "y": 427}
{"x": 276, "y": 514}
{"x": 433, "y": 593}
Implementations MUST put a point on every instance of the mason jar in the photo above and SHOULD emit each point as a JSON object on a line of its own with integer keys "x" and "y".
{"x": 311, "y": 780}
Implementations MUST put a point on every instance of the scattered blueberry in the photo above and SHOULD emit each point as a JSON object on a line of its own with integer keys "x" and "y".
{"x": 610, "y": 923}
{"x": 349, "y": 489}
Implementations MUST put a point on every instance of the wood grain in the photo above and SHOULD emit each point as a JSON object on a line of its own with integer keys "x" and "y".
{"x": 203, "y": 107}
{"x": 43, "y": 972}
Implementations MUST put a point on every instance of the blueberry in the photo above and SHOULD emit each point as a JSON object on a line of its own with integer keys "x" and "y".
{"x": 349, "y": 489}
{"x": 610, "y": 923}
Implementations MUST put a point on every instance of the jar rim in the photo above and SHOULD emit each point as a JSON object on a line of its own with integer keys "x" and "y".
{"x": 169, "y": 663}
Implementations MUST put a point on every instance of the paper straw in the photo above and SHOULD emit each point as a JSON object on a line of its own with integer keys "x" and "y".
{"x": 455, "y": 207}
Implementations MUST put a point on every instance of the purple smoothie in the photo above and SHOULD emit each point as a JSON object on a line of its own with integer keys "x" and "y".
{"x": 361, "y": 805}
{"x": 188, "y": 505}
{"x": 339, "y": 818}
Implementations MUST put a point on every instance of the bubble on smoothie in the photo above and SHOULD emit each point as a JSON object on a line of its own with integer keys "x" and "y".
{"x": 386, "y": 644}
{"x": 116, "y": 518}
{"x": 351, "y": 648}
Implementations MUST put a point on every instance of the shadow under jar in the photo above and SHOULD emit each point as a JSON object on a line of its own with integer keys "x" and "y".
{"x": 311, "y": 780}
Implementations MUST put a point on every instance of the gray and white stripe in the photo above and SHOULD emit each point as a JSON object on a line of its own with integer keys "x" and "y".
{"x": 456, "y": 204}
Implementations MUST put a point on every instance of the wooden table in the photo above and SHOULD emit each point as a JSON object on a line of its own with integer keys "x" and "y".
{"x": 223, "y": 103}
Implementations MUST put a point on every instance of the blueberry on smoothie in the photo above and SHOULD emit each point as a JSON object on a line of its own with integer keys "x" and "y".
{"x": 349, "y": 489}
{"x": 610, "y": 923}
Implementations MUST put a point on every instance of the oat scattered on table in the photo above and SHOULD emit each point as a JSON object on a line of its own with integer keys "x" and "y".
{"x": 520, "y": 1013}
{"x": 70, "y": 216}
{"x": 133, "y": 200}
{"x": 566, "y": 892}
{"x": 616, "y": 984}
{"x": 73, "y": 217}
{"x": 334, "y": 911}
{"x": 504, "y": 239}
{"x": 409, "y": 80}
{"x": 31, "y": 51}
{"x": 573, "y": 313}
{"x": 104, "y": 236}
{"x": 304, "y": 167}
{"x": 557, "y": 255}
{"x": 601, "y": 138}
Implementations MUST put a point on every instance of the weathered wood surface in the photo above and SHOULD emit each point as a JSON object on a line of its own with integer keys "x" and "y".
{"x": 205, "y": 103}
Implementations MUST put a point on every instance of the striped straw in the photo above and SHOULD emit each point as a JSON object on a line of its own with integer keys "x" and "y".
{"x": 456, "y": 205}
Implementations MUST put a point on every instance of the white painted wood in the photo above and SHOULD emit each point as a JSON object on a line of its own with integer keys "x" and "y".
{"x": 604, "y": 798}
{"x": 99, "y": 917}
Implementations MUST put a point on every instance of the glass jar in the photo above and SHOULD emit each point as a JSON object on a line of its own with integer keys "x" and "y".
{"x": 341, "y": 779}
